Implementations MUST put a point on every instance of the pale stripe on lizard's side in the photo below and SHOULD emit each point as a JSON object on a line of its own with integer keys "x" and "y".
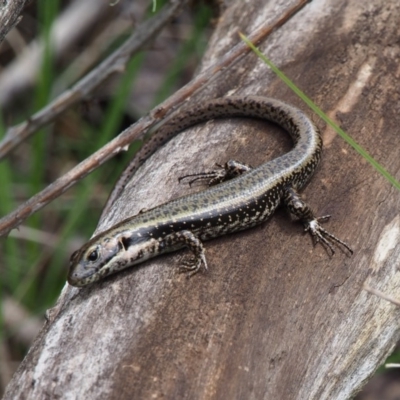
{"x": 245, "y": 198}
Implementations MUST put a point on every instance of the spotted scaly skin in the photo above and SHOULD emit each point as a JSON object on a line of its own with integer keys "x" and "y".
{"x": 233, "y": 205}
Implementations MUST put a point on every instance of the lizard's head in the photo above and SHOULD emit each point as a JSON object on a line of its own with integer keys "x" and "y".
{"x": 94, "y": 260}
{"x": 108, "y": 253}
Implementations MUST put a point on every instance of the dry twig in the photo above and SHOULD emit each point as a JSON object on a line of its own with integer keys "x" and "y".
{"x": 382, "y": 295}
{"x": 22, "y": 72}
{"x": 9, "y": 13}
{"x": 116, "y": 62}
{"x": 138, "y": 129}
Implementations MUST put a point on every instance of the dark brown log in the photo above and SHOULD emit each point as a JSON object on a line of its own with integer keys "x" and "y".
{"x": 274, "y": 318}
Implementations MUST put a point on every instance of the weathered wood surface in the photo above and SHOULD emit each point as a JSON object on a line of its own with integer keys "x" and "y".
{"x": 274, "y": 318}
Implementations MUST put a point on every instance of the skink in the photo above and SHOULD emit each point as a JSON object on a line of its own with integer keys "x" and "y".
{"x": 239, "y": 197}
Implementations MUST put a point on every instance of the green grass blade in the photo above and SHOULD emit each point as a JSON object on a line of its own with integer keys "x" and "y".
{"x": 323, "y": 116}
{"x": 9, "y": 270}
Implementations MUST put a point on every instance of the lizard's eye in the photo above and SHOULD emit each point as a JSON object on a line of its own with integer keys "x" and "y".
{"x": 93, "y": 256}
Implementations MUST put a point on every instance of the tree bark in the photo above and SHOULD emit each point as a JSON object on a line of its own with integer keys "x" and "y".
{"x": 273, "y": 317}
